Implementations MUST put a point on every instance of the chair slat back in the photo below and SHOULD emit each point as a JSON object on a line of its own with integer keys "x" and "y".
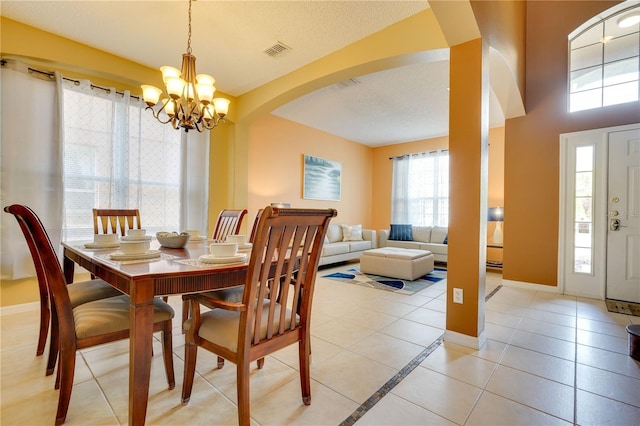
{"x": 228, "y": 223}
{"x": 287, "y": 245}
{"x": 254, "y": 228}
{"x": 47, "y": 260}
{"x": 115, "y": 221}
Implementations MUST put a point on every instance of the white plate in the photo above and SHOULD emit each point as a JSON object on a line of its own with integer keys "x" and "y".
{"x": 209, "y": 258}
{"x": 101, "y": 245}
{"x": 198, "y": 238}
{"x": 245, "y": 246}
{"x": 145, "y": 238}
{"x": 149, "y": 254}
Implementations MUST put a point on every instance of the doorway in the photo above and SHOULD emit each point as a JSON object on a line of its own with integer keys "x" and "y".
{"x": 599, "y": 229}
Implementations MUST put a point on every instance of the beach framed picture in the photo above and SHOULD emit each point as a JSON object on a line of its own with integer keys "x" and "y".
{"x": 321, "y": 179}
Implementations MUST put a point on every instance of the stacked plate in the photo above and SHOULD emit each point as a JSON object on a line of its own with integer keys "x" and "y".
{"x": 237, "y": 258}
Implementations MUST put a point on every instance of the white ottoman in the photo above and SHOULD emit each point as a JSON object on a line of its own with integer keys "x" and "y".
{"x": 395, "y": 262}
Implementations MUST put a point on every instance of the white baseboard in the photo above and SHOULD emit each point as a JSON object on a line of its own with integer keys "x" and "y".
{"x": 531, "y": 286}
{"x": 17, "y": 309}
{"x": 464, "y": 340}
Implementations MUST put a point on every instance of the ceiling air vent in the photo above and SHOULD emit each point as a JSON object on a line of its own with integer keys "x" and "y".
{"x": 347, "y": 83}
{"x": 277, "y": 50}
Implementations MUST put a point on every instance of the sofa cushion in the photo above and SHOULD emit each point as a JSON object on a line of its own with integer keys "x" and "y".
{"x": 334, "y": 233}
{"x": 360, "y": 245}
{"x": 400, "y": 232}
{"x": 404, "y": 244}
{"x": 438, "y": 234}
{"x": 421, "y": 233}
{"x": 335, "y": 248}
{"x": 434, "y": 248}
{"x": 351, "y": 232}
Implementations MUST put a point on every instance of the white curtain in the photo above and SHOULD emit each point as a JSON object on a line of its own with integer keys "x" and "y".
{"x": 420, "y": 189}
{"x": 72, "y": 146}
{"x": 31, "y": 160}
{"x": 194, "y": 189}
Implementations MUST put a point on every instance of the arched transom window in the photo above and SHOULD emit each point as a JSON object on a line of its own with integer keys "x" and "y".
{"x": 604, "y": 59}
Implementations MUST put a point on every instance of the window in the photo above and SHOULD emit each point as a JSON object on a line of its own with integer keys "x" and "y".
{"x": 604, "y": 60}
{"x": 420, "y": 191}
{"x": 583, "y": 218}
{"x": 117, "y": 156}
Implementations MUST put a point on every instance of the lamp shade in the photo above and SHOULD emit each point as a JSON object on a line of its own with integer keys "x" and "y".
{"x": 495, "y": 214}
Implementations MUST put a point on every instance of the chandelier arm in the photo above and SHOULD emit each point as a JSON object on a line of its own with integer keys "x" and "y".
{"x": 156, "y": 115}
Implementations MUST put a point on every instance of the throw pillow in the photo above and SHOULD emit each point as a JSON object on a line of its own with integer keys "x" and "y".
{"x": 400, "y": 232}
{"x": 351, "y": 232}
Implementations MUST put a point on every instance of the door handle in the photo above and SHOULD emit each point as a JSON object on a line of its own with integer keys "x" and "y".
{"x": 614, "y": 225}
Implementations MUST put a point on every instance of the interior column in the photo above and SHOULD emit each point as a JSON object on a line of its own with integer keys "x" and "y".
{"x": 468, "y": 179}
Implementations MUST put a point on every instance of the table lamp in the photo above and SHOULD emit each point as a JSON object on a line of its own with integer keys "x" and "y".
{"x": 496, "y": 214}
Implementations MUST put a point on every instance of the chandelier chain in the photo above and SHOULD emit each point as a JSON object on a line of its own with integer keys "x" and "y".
{"x": 189, "y": 38}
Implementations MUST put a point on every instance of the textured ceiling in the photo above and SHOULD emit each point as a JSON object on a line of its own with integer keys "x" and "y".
{"x": 229, "y": 37}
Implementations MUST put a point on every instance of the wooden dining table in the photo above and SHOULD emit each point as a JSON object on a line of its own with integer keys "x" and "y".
{"x": 176, "y": 271}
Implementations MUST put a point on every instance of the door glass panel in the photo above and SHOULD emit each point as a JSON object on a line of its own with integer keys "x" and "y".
{"x": 583, "y": 219}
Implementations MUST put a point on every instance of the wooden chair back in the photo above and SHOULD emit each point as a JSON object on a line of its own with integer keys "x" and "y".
{"x": 228, "y": 223}
{"x": 115, "y": 221}
{"x": 45, "y": 313}
{"x": 254, "y": 228}
{"x": 276, "y": 303}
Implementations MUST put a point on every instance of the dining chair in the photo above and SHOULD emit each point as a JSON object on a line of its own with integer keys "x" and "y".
{"x": 89, "y": 324}
{"x": 79, "y": 292}
{"x": 229, "y": 222}
{"x": 254, "y": 228}
{"x": 107, "y": 221}
{"x": 274, "y": 312}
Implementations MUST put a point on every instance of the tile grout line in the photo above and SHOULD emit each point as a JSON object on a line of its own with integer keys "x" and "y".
{"x": 399, "y": 376}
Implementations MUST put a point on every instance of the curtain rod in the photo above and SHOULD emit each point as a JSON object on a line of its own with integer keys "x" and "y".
{"x": 51, "y": 75}
{"x": 417, "y": 153}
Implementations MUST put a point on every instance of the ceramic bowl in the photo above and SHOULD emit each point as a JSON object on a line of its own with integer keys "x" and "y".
{"x": 105, "y": 238}
{"x": 173, "y": 239}
{"x": 136, "y": 233}
{"x": 237, "y": 238}
{"x": 223, "y": 249}
{"x": 134, "y": 247}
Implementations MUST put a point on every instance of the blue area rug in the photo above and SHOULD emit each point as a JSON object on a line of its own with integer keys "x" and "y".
{"x": 354, "y": 276}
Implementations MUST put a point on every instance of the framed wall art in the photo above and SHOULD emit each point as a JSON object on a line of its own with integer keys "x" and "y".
{"x": 321, "y": 179}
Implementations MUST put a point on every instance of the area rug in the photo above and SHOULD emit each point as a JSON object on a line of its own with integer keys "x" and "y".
{"x": 627, "y": 308}
{"x": 354, "y": 276}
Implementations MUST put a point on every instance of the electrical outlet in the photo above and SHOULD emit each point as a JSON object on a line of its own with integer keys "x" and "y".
{"x": 457, "y": 295}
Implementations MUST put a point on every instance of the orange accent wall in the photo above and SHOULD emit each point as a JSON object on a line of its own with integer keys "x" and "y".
{"x": 275, "y": 168}
{"x": 532, "y": 142}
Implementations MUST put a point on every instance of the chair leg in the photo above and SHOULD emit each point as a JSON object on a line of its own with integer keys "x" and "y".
{"x": 190, "y": 354}
{"x": 260, "y": 363}
{"x": 304, "y": 349}
{"x": 66, "y": 370}
{"x": 244, "y": 404}
{"x": 45, "y": 317}
{"x": 167, "y": 353}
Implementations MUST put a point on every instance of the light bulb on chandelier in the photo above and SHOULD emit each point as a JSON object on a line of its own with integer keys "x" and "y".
{"x": 190, "y": 103}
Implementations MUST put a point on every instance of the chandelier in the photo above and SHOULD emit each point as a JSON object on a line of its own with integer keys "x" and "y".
{"x": 189, "y": 103}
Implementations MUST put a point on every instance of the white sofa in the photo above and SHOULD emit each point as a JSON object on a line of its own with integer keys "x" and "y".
{"x": 336, "y": 250}
{"x": 424, "y": 238}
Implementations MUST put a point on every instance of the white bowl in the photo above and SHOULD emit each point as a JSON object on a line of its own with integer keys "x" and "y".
{"x": 192, "y": 232}
{"x": 136, "y": 233}
{"x": 134, "y": 247}
{"x": 223, "y": 249}
{"x": 237, "y": 238}
{"x": 105, "y": 238}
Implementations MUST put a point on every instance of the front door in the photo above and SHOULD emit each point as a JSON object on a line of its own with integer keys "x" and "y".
{"x": 623, "y": 217}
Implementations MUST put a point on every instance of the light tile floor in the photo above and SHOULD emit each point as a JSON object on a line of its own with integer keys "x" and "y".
{"x": 549, "y": 359}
